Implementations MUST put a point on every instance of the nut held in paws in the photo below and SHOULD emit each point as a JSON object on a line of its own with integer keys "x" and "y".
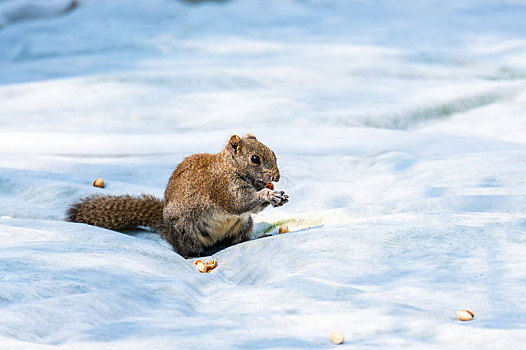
{"x": 99, "y": 182}
{"x": 465, "y": 315}
{"x": 336, "y": 337}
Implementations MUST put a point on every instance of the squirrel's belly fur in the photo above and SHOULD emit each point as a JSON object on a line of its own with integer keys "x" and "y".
{"x": 222, "y": 225}
{"x": 207, "y": 203}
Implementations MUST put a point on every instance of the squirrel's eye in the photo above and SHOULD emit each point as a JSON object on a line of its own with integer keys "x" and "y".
{"x": 255, "y": 159}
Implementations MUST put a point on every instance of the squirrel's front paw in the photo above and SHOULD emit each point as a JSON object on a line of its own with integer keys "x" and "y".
{"x": 276, "y": 198}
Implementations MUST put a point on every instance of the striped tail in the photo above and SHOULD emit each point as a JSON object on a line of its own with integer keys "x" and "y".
{"x": 118, "y": 212}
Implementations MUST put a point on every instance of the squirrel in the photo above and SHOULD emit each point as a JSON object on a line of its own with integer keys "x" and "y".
{"x": 207, "y": 203}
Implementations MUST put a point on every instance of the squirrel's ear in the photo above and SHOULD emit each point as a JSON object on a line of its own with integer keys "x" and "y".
{"x": 250, "y": 136}
{"x": 234, "y": 143}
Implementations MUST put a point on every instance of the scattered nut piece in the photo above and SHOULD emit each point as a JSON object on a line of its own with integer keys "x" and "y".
{"x": 199, "y": 265}
{"x": 269, "y": 185}
{"x": 99, "y": 182}
{"x": 283, "y": 229}
{"x": 336, "y": 337}
{"x": 465, "y": 315}
{"x": 211, "y": 265}
{"x": 205, "y": 267}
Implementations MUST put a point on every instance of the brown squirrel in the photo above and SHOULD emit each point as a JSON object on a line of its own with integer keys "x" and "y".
{"x": 207, "y": 203}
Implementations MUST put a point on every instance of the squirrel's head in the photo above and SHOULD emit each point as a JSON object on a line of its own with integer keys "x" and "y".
{"x": 253, "y": 161}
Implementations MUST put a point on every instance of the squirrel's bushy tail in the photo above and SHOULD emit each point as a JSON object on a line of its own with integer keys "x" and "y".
{"x": 118, "y": 212}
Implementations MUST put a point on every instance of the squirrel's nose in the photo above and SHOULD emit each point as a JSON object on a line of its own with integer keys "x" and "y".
{"x": 275, "y": 178}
